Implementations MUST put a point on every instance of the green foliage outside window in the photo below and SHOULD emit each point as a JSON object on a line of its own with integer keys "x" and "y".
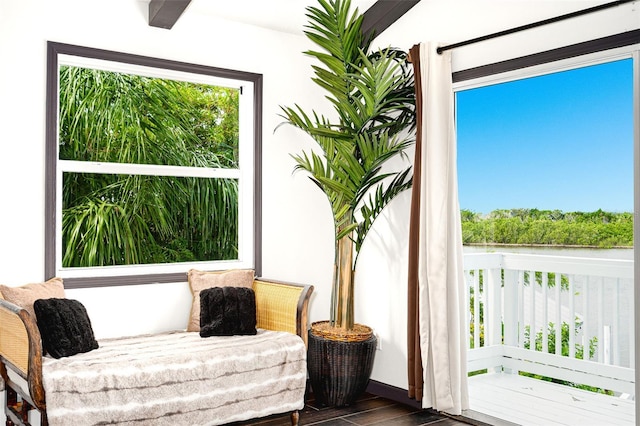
{"x": 110, "y": 219}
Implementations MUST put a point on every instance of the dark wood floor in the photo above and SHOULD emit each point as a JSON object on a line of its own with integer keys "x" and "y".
{"x": 368, "y": 410}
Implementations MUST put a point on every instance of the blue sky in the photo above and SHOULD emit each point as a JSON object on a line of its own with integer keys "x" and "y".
{"x": 562, "y": 141}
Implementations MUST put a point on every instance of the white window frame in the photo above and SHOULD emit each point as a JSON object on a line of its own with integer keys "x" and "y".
{"x": 247, "y": 173}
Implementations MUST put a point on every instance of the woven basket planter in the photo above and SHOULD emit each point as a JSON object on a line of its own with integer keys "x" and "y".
{"x": 339, "y": 371}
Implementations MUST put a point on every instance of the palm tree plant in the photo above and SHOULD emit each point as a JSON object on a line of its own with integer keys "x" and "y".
{"x": 372, "y": 95}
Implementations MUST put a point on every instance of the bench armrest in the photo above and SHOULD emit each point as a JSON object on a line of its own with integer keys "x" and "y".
{"x": 282, "y": 306}
{"x": 21, "y": 352}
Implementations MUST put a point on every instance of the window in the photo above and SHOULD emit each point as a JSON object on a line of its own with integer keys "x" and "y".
{"x": 153, "y": 168}
{"x": 547, "y": 159}
{"x": 558, "y": 141}
{"x": 545, "y": 166}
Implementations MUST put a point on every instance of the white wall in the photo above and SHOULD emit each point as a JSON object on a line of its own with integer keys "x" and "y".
{"x": 294, "y": 228}
{"x": 296, "y": 224}
{"x": 297, "y": 229}
{"x": 297, "y": 237}
{"x": 454, "y": 21}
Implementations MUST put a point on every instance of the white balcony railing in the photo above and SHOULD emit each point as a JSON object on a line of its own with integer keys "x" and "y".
{"x": 567, "y": 318}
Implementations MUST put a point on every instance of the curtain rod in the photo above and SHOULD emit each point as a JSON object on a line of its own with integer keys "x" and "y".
{"x": 533, "y": 25}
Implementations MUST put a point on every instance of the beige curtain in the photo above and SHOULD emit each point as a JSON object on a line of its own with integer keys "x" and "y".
{"x": 436, "y": 282}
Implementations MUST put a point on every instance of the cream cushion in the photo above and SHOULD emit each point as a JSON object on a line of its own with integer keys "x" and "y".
{"x": 25, "y": 295}
{"x": 201, "y": 280}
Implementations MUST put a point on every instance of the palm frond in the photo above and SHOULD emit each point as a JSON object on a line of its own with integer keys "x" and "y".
{"x": 378, "y": 201}
{"x": 372, "y": 96}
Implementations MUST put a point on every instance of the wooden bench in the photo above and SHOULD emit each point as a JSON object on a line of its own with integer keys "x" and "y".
{"x": 279, "y": 307}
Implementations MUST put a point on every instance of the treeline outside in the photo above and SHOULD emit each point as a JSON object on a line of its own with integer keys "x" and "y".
{"x": 548, "y": 227}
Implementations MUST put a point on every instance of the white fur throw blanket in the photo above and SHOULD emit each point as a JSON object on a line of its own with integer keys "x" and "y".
{"x": 177, "y": 378}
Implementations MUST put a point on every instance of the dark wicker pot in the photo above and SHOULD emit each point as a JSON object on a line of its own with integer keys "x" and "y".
{"x": 339, "y": 371}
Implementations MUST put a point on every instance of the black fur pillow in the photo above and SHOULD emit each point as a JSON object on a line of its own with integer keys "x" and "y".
{"x": 227, "y": 311}
{"x": 64, "y": 326}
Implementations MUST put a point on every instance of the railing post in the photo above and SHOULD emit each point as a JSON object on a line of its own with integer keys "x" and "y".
{"x": 493, "y": 308}
{"x": 510, "y": 315}
{"x": 493, "y": 312}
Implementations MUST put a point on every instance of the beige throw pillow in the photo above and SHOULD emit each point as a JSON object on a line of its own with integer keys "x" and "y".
{"x": 25, "y": 295}
{"x": 200, "y": 280}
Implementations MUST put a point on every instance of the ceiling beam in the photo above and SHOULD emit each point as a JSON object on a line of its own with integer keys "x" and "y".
{"x": 165, "y": 13}
{"x": 382, "y": 14}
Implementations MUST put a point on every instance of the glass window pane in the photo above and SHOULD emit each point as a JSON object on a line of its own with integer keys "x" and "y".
{"x": 546, "y": 172}
{"x": 107, "y": 116}
{"x": 133, "y": 219}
